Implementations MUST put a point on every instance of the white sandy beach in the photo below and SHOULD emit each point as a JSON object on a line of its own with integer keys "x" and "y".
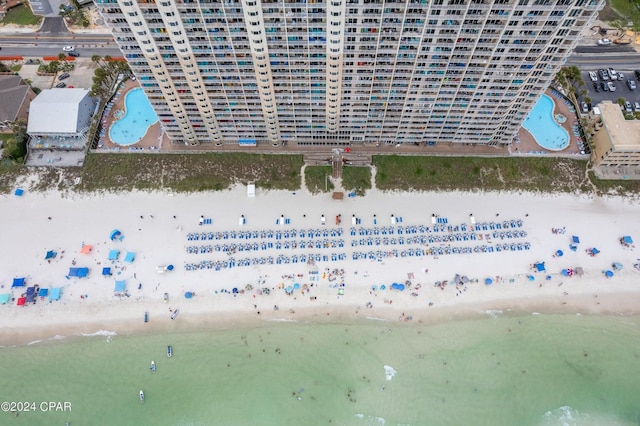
{"x": 147, "y": 223}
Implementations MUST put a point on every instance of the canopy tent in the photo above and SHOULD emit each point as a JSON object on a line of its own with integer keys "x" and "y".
{"x": 130, "y": 257}
{"x": 18, "y": 192}
{"x": 21, "y": 301}
{"x": 616, "y": 266}
{"x": 55, "y": 293}
{"x": 18, "y": 282}
{"x": 121, "y": 286}
{"x": 116, "y": 235}
{"x": 31, "y": 294}
{"x": 106, "y": 272}
{"x": 540, "y": 267}
{"x": 86, "y": 249}
{"x": 627, "y": 240}
{"x": 4, "y": 298}
{"x": 113, "y": 254}
{"x": 78, "y": 272}
{"x": 43, "y": 292}
{"x": 50, "y": 255}
{"x": 575, "y": 239}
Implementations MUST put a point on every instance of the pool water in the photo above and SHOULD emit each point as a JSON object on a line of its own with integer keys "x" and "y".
{"x": 544, "y": 128}
{"x": 138, "y": 117}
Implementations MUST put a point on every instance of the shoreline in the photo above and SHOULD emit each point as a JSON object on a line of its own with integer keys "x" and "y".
{"x": 344, "y": 281}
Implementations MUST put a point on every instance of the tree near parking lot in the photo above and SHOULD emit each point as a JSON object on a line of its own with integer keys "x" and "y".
{"x": 106, "y": 74}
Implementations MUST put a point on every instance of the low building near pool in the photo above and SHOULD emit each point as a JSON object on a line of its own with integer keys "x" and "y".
{"x": 615, "y": 150}
{"x": 58, "y": 129}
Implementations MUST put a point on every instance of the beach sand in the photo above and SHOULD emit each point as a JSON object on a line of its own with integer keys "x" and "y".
{"x": 155, "y": 226}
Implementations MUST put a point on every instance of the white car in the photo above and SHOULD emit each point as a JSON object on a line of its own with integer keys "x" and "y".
{"x": 604, "y": 42}
{"x": 593, "y": 76}
{"x": 68, "y": 49}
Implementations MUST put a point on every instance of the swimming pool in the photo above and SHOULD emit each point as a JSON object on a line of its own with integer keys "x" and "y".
{"x": 544, "y": 128}
{"x": 138, "y": 117}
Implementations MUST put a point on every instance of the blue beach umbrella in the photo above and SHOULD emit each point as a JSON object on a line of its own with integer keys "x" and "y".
{"x": 565, "y": 272}
{"x": 169, "y": 267}
{"x": 488, "y": 281}
{"x": 608, "y": 274}
{"x": 188, "y": 295}
{"x": 559, "y": 253}
{"x": 296, "y": 286}
{"x": 383, "y": 287}
{"x": 531, "y": 277}
{"x": 235, "y": 290}
{"x": 401, "y": 287}
{"x": 289, "y": 290}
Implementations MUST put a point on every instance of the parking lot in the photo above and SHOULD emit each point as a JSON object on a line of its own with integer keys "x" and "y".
{"x": 622, "y": 89}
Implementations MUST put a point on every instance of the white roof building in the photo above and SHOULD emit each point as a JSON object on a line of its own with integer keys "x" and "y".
{"x": 64, "y": 112}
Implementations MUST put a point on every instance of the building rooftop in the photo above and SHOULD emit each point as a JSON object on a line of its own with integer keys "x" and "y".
{"x": 624, "y": 134}
{"x": 12, "y": 94}
{"x": 56, "y": 111}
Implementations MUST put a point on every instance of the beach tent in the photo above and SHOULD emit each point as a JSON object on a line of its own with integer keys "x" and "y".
{"x": 106, "y": 272}
{"x": 113, "y": 254}
{"x": 86, "y": 249}
{"x": 116, "y": 235}
{"x": 121, "y": 286}
{"x": 18, "y": 282}
{"x": 43, "y": 292}
{"x": 627, "y": 240}
{"x": 540, "y": 267}
{"x": 575, "y": 239}
{"x": 616, "y": 266}
{"x": 4, "y": 298}
{"x": 130, "y": 257}
{"x": 22, "y": 301}
{"x": 55, "y": 293}
{"x": 78, "y": 272}
{"x": 50, "y": 255}
{"x": 19, "y": 192}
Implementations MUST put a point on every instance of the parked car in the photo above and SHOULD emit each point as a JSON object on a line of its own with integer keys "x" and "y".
{"x": 604, "y": 86}
{"x": 631, "y": 84}
{"x": 627, "y": 107}
{"x": 613, "y": 74}
{"x": 604, "y": 75}
{"x": 74, "y": 54}
{"x": 636, "y": 106}
{"x": 611, "y": 86}
{"x": 593, "y": 76}
{"x": 61, "y": 85}
{"x": 63, "y": 76}
{"x": 68, "y": 49}
{"x": 637, "y": 73}
{"x": 620, "y": 76}
{"x": 584, "y": 107}
{"x": 604, "y": 42}
{"x": 596, "y": 87}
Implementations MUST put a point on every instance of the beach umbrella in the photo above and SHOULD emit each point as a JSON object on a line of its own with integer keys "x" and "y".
{"x": 86, "y": 249}
{"x": 188, "y": 295}
{"x": 565, "y": 272}
{"x": 169, "y": 267}
{"x": 115, "y": 234}
{"x": 289, "y": 290}
{"x": 616, "y": 266}
{"x": 50, "y": 255}
{"x": 595, "y": 251}
{"x": 488, "y": 281}
{"x": 548, "y": 277}
{"x": 575, "y": 239}
{"x": 383, "y": 287}
{"x": 235, "y": 290}
{"x": 540, "y": 266}
{"x": 608, "y": 274}
{"x": 627, "y": 239}
{"x": 559, "y": 253}
{"x": 296, "y": 286}
{"x": 531, "y": 277}
{"x": 401, "y": 287}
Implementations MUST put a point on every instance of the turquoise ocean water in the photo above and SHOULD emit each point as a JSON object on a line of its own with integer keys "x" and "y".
{"x": 505, "y": 370}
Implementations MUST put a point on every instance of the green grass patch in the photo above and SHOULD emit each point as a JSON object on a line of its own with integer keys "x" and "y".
{"x": 356, "y": 179}
{"x": 21, "y": 15}
{"x": 629, "y": 10}
{"x": 616, "y": 187}
{"x": 489, "y": 174}
{"x": 315, "y": 179}
{"x": 189, "y": 173}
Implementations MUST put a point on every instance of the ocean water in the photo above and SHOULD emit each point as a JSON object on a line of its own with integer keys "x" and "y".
{"x": 499, "y": 370}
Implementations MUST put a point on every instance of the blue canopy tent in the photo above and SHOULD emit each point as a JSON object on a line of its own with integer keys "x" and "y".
{"x": 50, "y": 255}
{"x": 116, "y": 235}
{"x": 540, "y": 267}
{"x": 18, "y": 282}
{"x": 18, "y": 192}
{"x": 595, "y": 251}
{"x": 627, "y": 240}
{"x": 31, "y": 294}
{"x": 113, "y": 254}
{"x": 43, "y": 292}
{"x": 130, "y": 257}
{"x": 55, "y": 293}
{"x": 106, "y": 272}
{"x": 575, "y": 239}
{"x": 78, "y": 272}
{"x": 4, "y": 298}
{"x": 120, "y": 287}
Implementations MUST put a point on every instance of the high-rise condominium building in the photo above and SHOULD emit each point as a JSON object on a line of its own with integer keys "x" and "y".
{"x": 345, "y": 71}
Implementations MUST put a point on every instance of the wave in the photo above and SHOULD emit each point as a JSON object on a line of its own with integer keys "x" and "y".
{"x": 568, "y": 416}
{"x": 33, "y": 342}
{"x": 389, "y": 372}
{"x": 371, "y": 420}
{"x": 57, "y": 337}
{"x": 377, "y": 319}
{"x": 493, "y": 313}
{"x": 106, "y": 333}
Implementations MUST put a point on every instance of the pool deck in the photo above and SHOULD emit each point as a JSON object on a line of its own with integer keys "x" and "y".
{"x": 153, "y": 140}
{"x": 527, "y": 144}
